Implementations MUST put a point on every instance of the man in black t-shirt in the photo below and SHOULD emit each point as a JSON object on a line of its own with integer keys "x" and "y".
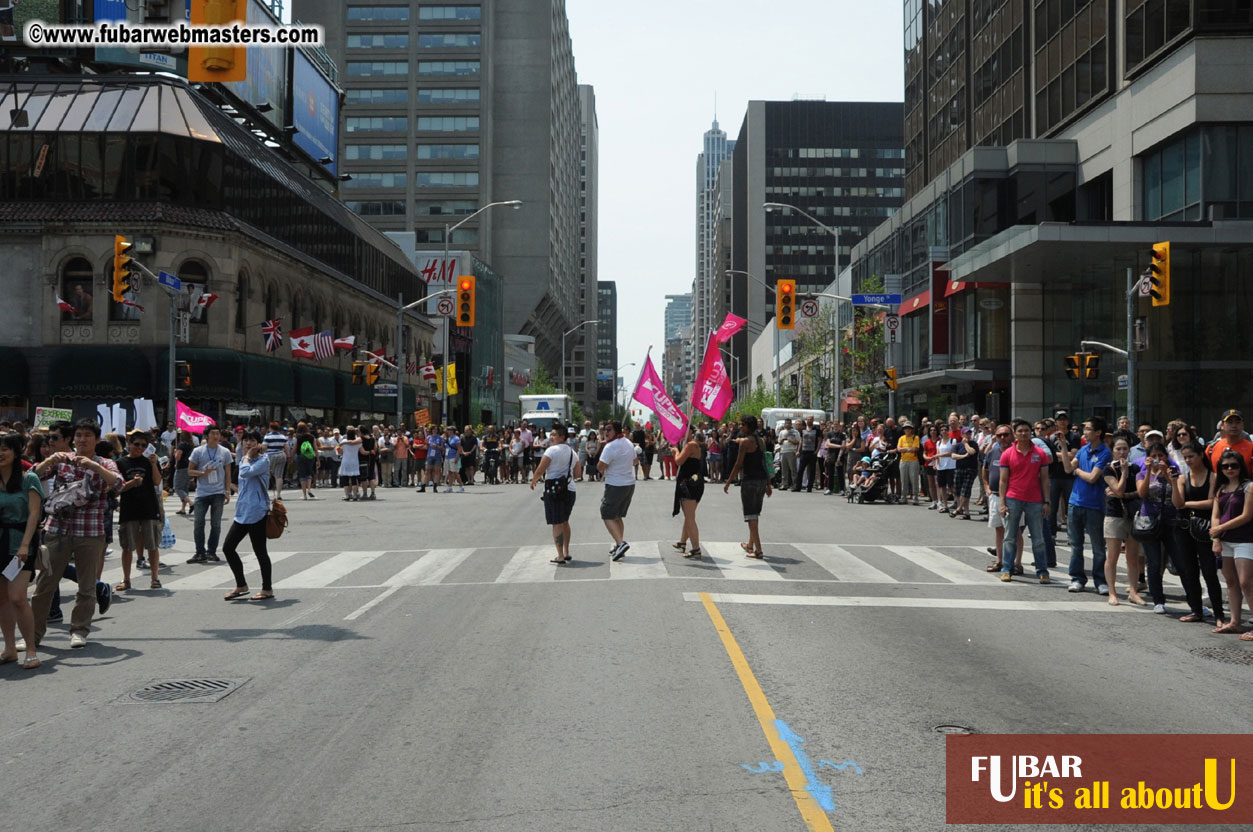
{"x": 139, "y": 511}
{"x": 806, "y": 466}
{"x": 833, "y": 463}
{"x": 1057, "y": 435}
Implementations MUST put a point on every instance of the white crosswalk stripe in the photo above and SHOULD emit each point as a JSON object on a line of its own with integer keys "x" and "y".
{"x": 646, "y": 560}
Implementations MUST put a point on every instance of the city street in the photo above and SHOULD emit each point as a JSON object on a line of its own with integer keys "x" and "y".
{"x": 425, "y": 667}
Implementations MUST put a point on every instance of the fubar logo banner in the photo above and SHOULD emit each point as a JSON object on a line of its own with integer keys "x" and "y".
{"x": 1099, "y": 778}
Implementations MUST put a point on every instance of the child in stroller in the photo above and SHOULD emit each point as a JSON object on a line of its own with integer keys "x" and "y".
{"x": 871, "y": 478}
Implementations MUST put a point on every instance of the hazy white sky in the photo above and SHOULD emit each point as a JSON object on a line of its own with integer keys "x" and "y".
{"x": 656, "y": 66}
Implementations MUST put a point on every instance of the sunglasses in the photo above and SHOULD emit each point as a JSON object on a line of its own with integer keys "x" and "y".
{"x": 1230, "y": 465}
{"x": 1003, "y": 435}
{"x": 140, "y": 444}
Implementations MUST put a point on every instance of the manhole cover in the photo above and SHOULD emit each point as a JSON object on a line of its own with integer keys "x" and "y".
{"x": 197, "y": 691}
{"x": 953, "y": 729}
{"x": 1226, "y": 655}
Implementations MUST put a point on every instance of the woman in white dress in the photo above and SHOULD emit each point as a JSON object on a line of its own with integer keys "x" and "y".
{"x": 350, "y": 464}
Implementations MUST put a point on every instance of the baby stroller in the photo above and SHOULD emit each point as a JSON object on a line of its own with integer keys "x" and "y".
{"x": 873, "y": 487}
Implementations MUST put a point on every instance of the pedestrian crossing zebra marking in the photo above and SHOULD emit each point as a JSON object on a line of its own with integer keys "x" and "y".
{"x": 1000, "y": 604}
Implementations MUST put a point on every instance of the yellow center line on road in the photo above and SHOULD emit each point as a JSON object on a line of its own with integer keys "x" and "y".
{"x": 813, "y": 815}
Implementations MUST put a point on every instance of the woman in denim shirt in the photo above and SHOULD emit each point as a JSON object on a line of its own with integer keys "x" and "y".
{"x": 250, "y": 510}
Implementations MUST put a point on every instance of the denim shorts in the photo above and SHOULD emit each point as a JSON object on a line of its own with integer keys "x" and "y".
{"x": 1242, "y": 551}
{"x": 752, "y": 495}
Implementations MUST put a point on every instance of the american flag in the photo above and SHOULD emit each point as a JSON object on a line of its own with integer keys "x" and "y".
{"x": 273, "y": 331}
{"x": 324, "y": 345}
{"x": 411, "y": 365}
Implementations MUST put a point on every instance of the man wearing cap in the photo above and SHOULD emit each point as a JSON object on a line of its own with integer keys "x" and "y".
{"x": 1059, "y": 439}
{"x": 1233, "y": 437}
{"x": 911, "y": 468}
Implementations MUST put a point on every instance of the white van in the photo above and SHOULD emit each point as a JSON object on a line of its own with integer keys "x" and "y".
{"x": 774, "y": 416}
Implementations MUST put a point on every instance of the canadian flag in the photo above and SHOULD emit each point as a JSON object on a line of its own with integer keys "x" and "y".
{"x": 347, "y": 344}
{"x": 206, "y": 300}
{"x": 302, "y": 342}
{"x": 64, "y": 305}
{"x": 428, "y": 373}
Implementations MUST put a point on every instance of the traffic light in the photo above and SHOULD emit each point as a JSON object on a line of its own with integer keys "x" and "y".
{"x": 1074, "y": 363}
{"x": 371, "y": 374}
{"x": 1091, "y": 365}
{"x": 465, "y": 300}
{"x": 785, "y": 303}
{"x": 358, "y": 372}
{"x": 182, "y": 375}
{"x": 889, "y": 379}
{"x": 1159, "y": 275}
{"x": 121, "y": 268}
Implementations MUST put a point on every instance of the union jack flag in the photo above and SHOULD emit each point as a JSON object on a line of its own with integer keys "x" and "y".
{"x": 273, "y": 331}
{"x": 324, "y": 345}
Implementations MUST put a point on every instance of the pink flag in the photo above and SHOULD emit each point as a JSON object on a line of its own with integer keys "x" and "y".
{"x": 651, "y": 393}
{"x": 712, "y": 393}
{"x": 732, "y": 325}
{"x": 189, "y": 420}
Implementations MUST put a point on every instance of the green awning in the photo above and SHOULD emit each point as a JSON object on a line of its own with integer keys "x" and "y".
{"x": 315, "y": 387}
{"x": 411, "y": 398}
{"x": 100, "y": 373}
{"x": 269, "y": 380}
{"x": 355, "y": 397}
{"x": 14, "y": 376}
{"x": 215, "y": 374}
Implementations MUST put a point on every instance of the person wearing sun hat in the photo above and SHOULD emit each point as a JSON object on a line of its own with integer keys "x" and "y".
{"x": 1232, "y": 436}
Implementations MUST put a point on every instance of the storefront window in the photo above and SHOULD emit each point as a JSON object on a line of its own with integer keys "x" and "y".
{"x": 991, "y": 317}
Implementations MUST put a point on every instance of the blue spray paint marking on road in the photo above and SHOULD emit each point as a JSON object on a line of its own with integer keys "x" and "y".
{"x": 819, "y": 791}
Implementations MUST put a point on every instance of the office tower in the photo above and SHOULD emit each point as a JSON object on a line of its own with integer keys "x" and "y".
{"x": 607, "y": 340}
{"x": 581, "y": 367}
{"x": 715, "y": 150}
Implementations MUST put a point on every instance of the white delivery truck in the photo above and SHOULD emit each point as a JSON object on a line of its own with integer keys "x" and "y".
{"x": 542, "y": 411}
{"x": 772, "y": 417}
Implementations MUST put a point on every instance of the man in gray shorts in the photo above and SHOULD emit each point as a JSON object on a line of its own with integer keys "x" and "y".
{"x": 617, "y": 466}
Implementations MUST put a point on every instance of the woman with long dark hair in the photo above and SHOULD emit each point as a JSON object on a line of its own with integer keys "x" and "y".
{"x": 1196, "y": 558}
{"x": 1155, "y": 485}
{"x": 1231, "y": 526}
{"x": 20, "y": 501}
{"x": 1120, "y": 507}
{"x": 750, "y": 462}
{"x": 689, "y": 487}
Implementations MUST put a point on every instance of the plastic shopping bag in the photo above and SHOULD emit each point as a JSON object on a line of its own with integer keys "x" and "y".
{"x": 167, "y": 536}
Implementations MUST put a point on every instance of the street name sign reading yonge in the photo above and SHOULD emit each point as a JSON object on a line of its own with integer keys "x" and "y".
{"x": 877, "y": 300}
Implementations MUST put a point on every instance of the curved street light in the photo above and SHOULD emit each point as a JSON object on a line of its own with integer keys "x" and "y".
{"x": 563, "y": 350}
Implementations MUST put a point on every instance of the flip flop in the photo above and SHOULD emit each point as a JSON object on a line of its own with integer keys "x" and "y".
{"x": 1246, "y": 636}
{"x": 756, "y": 555}
{"x": 995, "y": 567}
{"x": 236, "y": 593}
{"x": 747, "y": 548}
{"x": 1229, "y": 628}
{"x": 262, "y": 596}
{"x": 7, "y": 659}
{"x": 561, "y": 561}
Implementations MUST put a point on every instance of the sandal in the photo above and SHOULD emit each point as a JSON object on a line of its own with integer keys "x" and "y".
{"x": 1190, "y": 617}
{"x": 1246, "y": 636}
{"x": 996, "y": 567}
{"x": 7, "y": 659}
{"x": 262, "y": 596}
{"x": 30, "y": 663}
{"x": 681, "y": 546}
{"x": 695, "y": 554}
{"x": 758, "y": 555}
{"x": 122, "y": 587}
{"x": 156, "y": 584}
{"x": 747, "y": 548}
{"x": 238, "y": 592}
{"x": 1229, "y": 628}
{"x": 558, "y": 561}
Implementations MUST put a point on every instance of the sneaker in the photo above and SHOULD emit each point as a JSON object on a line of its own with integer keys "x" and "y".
{"x": 1075, "y": 586}
{"x": 196, "y": 559}
{"x": 620, "y": 550}
{"x": 77, "y": 641}
{"x": 108, "y": 552}
{"x": 55, "y": 615}
{"x": 212, "y": 558}
{"x": 461, "y": 489}
{"x": 104, "y": 597}
{"x": 1206, "y": 612}
{"x": 1160, "y": 609}
{"x": 1006, "y": 577}
{"x": 1044, "y": 579}
{"x": 142, "y": 563}
{"x": 21, "y": 645}
{"x": 1102, "y": 589}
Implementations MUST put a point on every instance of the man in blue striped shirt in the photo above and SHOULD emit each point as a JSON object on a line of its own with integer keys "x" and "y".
{"x": 276, "y": 452}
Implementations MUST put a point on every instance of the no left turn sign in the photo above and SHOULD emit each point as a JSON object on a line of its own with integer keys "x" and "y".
{"x": 809, "y": 308}
{"x": 444, "y": 306}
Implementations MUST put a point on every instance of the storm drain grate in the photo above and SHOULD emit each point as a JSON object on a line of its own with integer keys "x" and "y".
{"x": 953, "y": 729}
{"x": 1226, "y": 655}
{"x": 197, "y": 691}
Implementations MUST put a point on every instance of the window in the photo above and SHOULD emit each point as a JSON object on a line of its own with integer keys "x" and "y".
{"x": 376, "y": 123}
{"x": 448, "y": 179}
{"x": 462, "y": 96}
{"x": 378, "y": 13}
{"x": 448, "y": 124}
{"x": 447, "y": 207}
{"x": 360, "y": 69}
{"x": 448, "y": 151}
{"x": 462, "y": 236}
{"x": 449, "y": 13}
{"x": 446, "y": 68}
{"x": 195, "y": 278}
{"x": 376, "y": 208}
{"x": 449, "y": 40}
{"x": 361, "y": 179}
{"x": 378, "y": 41}
{"x": 376, "y": 151}
{"x": 76, "y": 289}
{"x": 375, "y": 96}
{"x": 241, "y": 302}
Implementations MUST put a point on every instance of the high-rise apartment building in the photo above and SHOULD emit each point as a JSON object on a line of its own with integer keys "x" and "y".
{"x": 841, "y": 162}
{"x": 450, "y": 106}
{"x": 715, "y": 149}
{"x": 581, "y": 366}
{"x": 678, "y": 314}
{"x": 677, "y": 354}
{"x": 607, "y": 340}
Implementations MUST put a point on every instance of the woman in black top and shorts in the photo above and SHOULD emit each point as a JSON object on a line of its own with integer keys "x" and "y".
{"x": 1196, "y": 558}
{"x": 750, "y": 464}
{"x": 689, "y": 487}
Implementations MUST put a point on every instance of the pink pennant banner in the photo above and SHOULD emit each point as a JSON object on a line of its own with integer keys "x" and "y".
{"x": 712, "y": 393}
{"x": 732, "y": 325}
{"x": 651, "y": 392}
{"x": 189, "y": 420}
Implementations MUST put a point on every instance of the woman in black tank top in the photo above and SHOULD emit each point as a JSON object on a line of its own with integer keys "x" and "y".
{"x": 750, "y": 462}
{"x": 1192, "y": 498}
{"x": 689, "y": 487}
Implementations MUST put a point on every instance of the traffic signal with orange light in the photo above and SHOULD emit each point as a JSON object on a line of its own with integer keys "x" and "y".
{"x": 1074, "y": 365}
{"x": 465, "y": 300}
{"x": 785, "y": 303}
{"x": 121, "y": 268}
{"x": 358, "y": 372}
{"x": 182, "y": 375}
{"x": 371, "y": 374}
{"x": 889, "y": 379}
{"x": 1159, "y": 275}
{"x": 1091, "y": 365}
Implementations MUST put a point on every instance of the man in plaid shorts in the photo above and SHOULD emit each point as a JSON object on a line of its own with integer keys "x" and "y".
{"x": 78, "y": 532}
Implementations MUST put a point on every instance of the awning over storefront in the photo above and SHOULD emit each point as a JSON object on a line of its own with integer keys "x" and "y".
{"x": 954, "y": 287}
{"x": 411, "y": 399}
{"x": 14, "y": 375}
{"x": 215, "y": 374}
{"x": 354, "y": 397}
{"x": 268, "y": 380}
{"x": 950, "y": 376}
{"x": 100, "y": 373}
{"x": 916, "y": 304}
{"x": 315, "y": 387}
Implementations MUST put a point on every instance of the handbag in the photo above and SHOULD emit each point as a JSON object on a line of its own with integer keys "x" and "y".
{"x": 69, "y": 497}
{"x": 275, "y": 520}
{"x": 1198, "y": 527}
{"x": 559, "y": 487}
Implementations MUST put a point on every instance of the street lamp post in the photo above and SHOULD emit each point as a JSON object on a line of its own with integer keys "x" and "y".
{"x": 448, "y": 230}
{"x": 563, "y": 351}
{"x": 621, "y": 390}
{"x": 401, "y": 309}
{"x": 835, "y": 334}
{"x": 778, "y": 379}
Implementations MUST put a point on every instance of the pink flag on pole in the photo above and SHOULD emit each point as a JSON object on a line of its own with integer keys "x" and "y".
{"x": 651, "y": 392}
{"x": 712, "y": 393}
{"x": 189, "y": 420}
{"x": 732, "y": 325}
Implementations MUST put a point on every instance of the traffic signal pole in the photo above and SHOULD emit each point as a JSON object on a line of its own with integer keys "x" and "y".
{"x": 171, "y": 398}
{"x": 1133, "y": 288}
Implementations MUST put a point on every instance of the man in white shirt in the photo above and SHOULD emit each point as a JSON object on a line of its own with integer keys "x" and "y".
{"x": 789, "y": 444}
{"x": 169, "y": 436}
{"x": 617, "y": 465}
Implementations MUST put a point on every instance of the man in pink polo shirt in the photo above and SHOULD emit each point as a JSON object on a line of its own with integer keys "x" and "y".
{"x": 1025, "y": 492}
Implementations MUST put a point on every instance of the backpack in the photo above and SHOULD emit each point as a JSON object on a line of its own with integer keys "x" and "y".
{"x": 69, "y": 497}
{"x": 307, "y": 451}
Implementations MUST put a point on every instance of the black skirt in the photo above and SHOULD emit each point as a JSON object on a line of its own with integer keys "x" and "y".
{"x": 687, "y": 488}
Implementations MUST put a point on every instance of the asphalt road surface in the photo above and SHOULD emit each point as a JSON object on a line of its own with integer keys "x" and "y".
{"x": 424, "y": 667}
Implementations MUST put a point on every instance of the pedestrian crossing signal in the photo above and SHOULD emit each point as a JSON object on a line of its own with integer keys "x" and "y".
{"x": 785, "y": 303}
{"x": 465, "y": 300}
{"x": 121, "y": 268}
{"x": 371, "y": 374}
{"x": 889, "y": 379}
{"x": 1091, "y": 365}
{"x": 182, "y": 375}
{"x": 1159, "y": 275}
{"x": 1074, "y": 363}
{"x": 358, "y": 372}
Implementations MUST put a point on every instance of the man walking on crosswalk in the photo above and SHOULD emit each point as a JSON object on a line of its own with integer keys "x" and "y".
{"x": 617, "y": 464}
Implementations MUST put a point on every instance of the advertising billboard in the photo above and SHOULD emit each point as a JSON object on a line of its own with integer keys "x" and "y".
{"x": 266, "y": 81}
{"x": 315, "y": 111}
{"x": 173, "y": 60}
